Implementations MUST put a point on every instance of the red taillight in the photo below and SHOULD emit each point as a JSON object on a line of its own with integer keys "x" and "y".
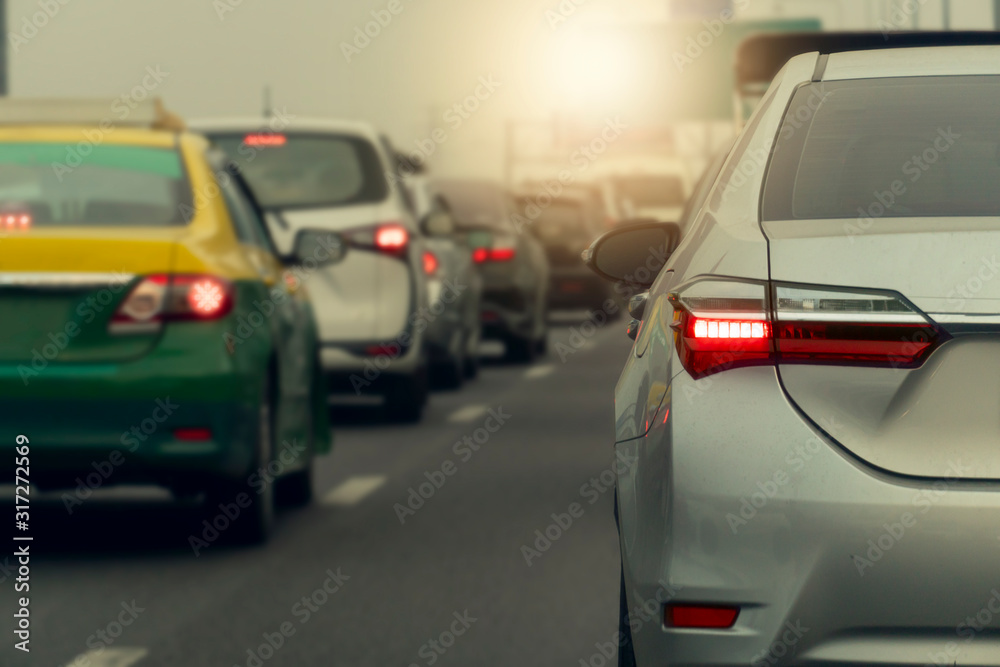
{"x": 899, "y": 345}
{"x": 159, "y": 298}
{"x": 481, "y": 255}
{"x": 430, "y": 263}
{"x": 712, "y": 345}
{"x": 709, "y": 617}
{"x": 15, "y": 222}
{"x": 193, "y": 434}
{"x": 729, "y": 329}
{"x": 384, "y": 350}
{"x": 207, "y": 297}
{"x": 391, "y": 238}
{"x": 724, "y": 324}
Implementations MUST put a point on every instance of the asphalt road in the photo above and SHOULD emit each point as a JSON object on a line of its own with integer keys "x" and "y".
{"x": 445, "y": 582}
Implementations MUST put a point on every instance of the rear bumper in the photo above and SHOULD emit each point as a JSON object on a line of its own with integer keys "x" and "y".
{"x": 83, "y": 418}
{"x": 349, "y": 369}
{"x": 736, "y": 500}
{"x": 506, "y": 311}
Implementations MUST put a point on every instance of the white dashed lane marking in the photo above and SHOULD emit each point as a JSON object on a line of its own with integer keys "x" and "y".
{"x": 121, "y": 656}
{"x": 467, "y": 414}
{"x": 539, "y": 371}
{"x": 353, "y": 490}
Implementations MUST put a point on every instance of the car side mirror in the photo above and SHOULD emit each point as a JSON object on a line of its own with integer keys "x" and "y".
{"x": 318, "y": 246}
{"x": 438, "y": 223}
{"x": 633, "y": 253}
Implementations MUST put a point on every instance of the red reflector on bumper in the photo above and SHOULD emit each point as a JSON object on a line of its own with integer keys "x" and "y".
{"x": 387, "y": 350}
{"x": 193, "y": 434}
{"x": 698, "y": 616}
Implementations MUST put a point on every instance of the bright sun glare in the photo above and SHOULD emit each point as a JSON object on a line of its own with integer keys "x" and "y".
{"x": 587, "y": 67}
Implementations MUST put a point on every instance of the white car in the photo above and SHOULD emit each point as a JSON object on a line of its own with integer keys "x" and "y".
{"x": 371, "y": 309}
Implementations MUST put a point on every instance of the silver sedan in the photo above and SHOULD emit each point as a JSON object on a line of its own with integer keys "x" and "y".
{"x": 807, "y": 425}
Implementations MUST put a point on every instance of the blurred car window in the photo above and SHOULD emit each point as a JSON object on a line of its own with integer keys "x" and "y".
{"x": 649, "y": 190}
{"x": 247, "y": 223}
{"x": 561, "y": 220}
{"x": 113, "y": 185}
{"x": 307, "y": 170}
{"x": 889, "y": 148}
{"x": 476, "y": 205}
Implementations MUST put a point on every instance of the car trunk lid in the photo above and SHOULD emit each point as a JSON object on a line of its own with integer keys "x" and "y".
{"x": 59, "y": 289}
{"x": 367, "y": 296}
{"x": 941, "y": 419}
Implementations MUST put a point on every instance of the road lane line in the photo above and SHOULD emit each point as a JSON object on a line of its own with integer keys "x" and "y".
{"x": 467, "y": 414}
{"x": 121, "y": 656}
{"x": 353, "y": 490}
{"x": 539, "y": 371}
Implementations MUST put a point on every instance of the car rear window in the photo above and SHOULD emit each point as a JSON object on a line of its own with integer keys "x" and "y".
{"x": 560, "y": 220}
{"x": 307, "y": 170}
{"x": 48, "y": 184}
{"x": 896, "y": 147}
{"x": 475, "y": 205}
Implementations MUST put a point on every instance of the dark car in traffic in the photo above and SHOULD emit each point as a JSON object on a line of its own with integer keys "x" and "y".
{"x": 565, "y": 227}
{"x": 512, "y": 263}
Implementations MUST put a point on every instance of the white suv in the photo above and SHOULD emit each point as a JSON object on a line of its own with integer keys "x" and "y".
{"x": 336, "y": 175}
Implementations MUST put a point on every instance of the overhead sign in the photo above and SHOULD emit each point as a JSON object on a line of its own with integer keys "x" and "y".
{"x": 684, "y": 70}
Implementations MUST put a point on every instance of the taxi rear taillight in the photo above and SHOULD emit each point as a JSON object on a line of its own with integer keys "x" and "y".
{"x": 15, "y": 222}
{"x": 162, "y": 298}
{"x": 724, "y": 324}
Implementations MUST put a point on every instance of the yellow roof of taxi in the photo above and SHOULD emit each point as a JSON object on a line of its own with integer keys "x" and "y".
{"x": 146, "y": 123}
{"x": 76, "y": 133}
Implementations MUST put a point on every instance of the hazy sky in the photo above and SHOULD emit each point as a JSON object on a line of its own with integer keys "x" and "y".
{"x": 428, "y": 57}
{"x": 214, "y": 57}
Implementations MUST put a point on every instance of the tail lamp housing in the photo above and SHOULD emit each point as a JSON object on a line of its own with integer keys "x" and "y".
{"x": 160, "y": 298}
{"x": 721, "y": 324}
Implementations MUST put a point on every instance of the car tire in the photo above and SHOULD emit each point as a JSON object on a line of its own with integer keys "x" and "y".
{"x": 255, "y": 522}
{"x": 520, "y": 350}
{"x": 296, "y": 489}
{"x": 626, "y": 650}
{"x": 405, "y": 398}
{"x": 471, "y": 366}
{"x": 450, "y": 374}
{"x": 542, "y": 346}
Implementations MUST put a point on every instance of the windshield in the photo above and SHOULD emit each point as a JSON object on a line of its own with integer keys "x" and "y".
{"x": 888, "y": 148}
{"x": 643, "y": 191}
{"x": 307, "y": 171}
{"x": 111, "y": 185}
{"x": 474, "y": 205}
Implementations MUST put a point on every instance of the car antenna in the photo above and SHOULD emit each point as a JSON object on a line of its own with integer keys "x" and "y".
{"x": 268, "y": 110}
